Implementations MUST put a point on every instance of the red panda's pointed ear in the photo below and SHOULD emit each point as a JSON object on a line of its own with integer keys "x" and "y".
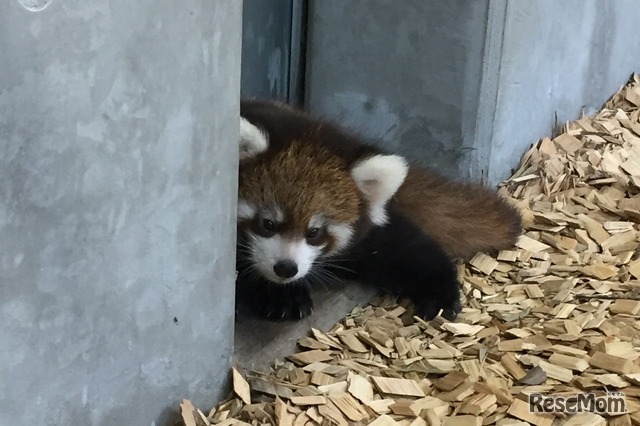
{"x": 253, "y": 141}
{"x": 379, "y": 178}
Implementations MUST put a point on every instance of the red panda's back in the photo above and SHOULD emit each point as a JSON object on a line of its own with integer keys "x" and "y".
{"x": 465, "y": 218}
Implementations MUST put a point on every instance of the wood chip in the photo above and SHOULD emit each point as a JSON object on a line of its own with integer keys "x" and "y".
{"x": 383, "y": 420}
{"x": 463, "y": 421}
{"x": 612, "y": 363}
{"x": 568, "y": 361}
{"x": 510, "y": 363}
{"x": 520, "y": 409}
{"x": 484, "y": 263}
{"x": 360, "y": 388}
{"x": 352, "y": 342}
{"x": 393, "y": 386}
{"x": 556, "y": 372}
{"x": 241, "y": 387}
{"x": 310, "y": 357}
{"x": 309, "y": 400}
{"x": 349, "y": 407}
{"x": 622, "y": 306}
{"x": 462, "y": 329}
{"x": 451, "y": 380}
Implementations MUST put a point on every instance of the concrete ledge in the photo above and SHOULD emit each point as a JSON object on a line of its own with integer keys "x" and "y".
{"x": 259, "y": 342}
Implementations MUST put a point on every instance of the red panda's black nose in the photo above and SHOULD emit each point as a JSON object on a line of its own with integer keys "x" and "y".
{"x": 285, "y": 269}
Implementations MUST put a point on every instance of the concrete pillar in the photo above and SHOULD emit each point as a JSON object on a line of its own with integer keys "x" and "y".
{"x": 118, "y": 161}
{"x": 466, "y": 86}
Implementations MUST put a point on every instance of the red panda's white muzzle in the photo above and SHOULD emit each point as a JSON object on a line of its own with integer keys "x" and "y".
{"x": 281, "y": 260}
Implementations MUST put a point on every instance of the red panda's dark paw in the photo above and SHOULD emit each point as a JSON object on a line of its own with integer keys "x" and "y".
{"x": 290, "y": 303}
{"x": 286, "y": 310}
{"x": 452, "y": 312}
{"x": 429, "y": 309}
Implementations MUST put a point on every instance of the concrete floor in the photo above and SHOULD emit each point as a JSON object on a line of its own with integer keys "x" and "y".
{"x": 258, "y": 342}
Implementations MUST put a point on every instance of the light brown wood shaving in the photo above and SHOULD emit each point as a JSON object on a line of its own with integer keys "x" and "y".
{"x": 559, "y": 311}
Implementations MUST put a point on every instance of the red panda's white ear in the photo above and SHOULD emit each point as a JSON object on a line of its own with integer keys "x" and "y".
{"x": 253, "y": 141}
{"x": 379, "y": 178}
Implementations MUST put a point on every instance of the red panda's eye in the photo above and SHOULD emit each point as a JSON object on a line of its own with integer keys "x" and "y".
{"x": 315, "y": 236}
{"x": 268, "y": 225}
{"x": 265, "y": 228}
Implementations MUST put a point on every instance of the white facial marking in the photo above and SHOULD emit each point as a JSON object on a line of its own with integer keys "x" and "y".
{"x": 278, "y": 214}
{"x": 342, "y": 235}
{"x": 379, "y": 178}
{"x": 266, "y": 252}
{"x": 253, "y": 141}
{"x": 317, "y": 221}
{"x": 245, "y": 209}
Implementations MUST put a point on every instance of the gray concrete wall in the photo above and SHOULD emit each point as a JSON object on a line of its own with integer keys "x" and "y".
{"x": 406, "y": 72}
{"x": 465, "y": 86}
{"x": 558, "y": 58}
{"x": 266, "y": 48}
{"x": 273, "y": 40}
{"x": 118, "y": 129}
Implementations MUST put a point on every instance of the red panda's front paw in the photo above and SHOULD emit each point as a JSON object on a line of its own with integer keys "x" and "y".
{"x": 286, "y": 310}
{"x": 291, "y": 302}
{"x": 430, "y": 308}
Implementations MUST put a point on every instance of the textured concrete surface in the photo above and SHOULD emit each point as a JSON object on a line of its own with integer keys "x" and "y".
{"x": 465, "y": 86}
{"x": 408, "y": 74}
{"x": 273, "y": 48}
{"x": 266, "y": 47}
{"x": 118, "y": 157}
{"x": 558, "y": 58}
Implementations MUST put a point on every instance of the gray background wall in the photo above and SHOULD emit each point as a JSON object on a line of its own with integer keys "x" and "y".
{"x": 465, "y": 86}
{"x": 557, "y": 58}
{"x": 273, "y": 39}
{"x": 405, "y": 72}
{"x": 118, "y": 130}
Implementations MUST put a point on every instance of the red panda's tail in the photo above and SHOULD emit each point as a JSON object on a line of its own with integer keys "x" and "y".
{"x": 465, "y": 218}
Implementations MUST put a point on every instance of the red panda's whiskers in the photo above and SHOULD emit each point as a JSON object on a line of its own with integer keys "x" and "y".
{"x": 249, "y": 273}
{"x": 318, "y": 277}
{"x": 324, "y": 275}
{"x": 342, "y": 268}
{"x": 244, "y": 247}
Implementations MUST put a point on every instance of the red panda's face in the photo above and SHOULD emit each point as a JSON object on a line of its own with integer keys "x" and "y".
{"x": 295, "y": 207}
{"x": 299, "y": 204}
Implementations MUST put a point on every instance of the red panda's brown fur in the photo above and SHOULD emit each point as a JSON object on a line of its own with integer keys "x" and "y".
{"x": 463, "y": 217}
{"x": 304, "y": 180}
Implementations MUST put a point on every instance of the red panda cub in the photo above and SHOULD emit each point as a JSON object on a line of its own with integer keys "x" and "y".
{"x": 316, "y": 202}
